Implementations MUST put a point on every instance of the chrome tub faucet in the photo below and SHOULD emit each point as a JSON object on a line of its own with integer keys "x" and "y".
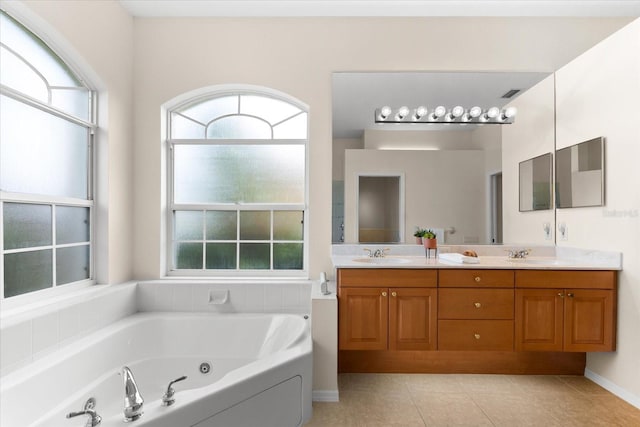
{"x": 133, "y": 401}
{"x": 89, "y": 409}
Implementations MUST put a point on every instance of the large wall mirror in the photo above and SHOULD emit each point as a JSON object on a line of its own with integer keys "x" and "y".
{"x": 449, "y": 169}
{"x": 534, "y": 178}
{"x": 580, "y": 174}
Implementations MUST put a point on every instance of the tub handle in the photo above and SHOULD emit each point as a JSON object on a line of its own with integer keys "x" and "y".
{"x": 88, "y": 410}
{"x": 167, "y": 398}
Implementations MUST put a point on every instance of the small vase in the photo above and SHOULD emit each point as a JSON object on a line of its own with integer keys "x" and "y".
{"x": 430, "y": 243}
{"x": 418, "y": 240}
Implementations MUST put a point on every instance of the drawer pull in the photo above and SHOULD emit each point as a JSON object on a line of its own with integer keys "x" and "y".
{"x": 477, "y": 279}
{"x": 384, "y": 294}
{"x": 477, "y": 305}
{"x": 570, "y": 295}
{"x": 393, "y": 294}
{"x": 476, "y": 336}
{"x": 560, "y": 294}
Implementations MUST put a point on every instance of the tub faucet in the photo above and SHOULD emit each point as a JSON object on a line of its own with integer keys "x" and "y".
{"x": 168, "y": 398}
{"x": 132, "y": 400}
{"x": 88, "y": 410}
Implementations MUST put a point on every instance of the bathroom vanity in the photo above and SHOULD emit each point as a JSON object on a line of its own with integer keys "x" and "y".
{"x": 534, "y": 317}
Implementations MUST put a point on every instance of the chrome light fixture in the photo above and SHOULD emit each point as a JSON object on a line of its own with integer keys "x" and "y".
{"x": 439, "y": 114}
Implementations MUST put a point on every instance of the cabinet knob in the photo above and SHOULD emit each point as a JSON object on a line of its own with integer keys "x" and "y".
{"x": 476, "y": 336}
{"x": 570, "y": 295}
{"x": 477, "y": 305}
{"x": 477, "y": 279}
{"x": 560, "y": 294}
{"x": 393, "y": 294}
{"x": 384, "y": 294}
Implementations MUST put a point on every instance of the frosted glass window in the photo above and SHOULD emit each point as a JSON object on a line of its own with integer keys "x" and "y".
{"x": 239, "y": 174}
{"x": 255, "y": 225}
{"x": 287, "y": 256}
{"x": 270, "y": 109}
{"x": 17, "y": 74}
{"x": 294, "y": 128}
{"x": 288, "y": 225}
{"x": 61, "y": 165}
{"x": 247, "y": 175}
{"x": 72, "y": 264}
{"x": 239, "y": 127}
{"x": 27, "y": 272}
{"x": 72, "y": 224}
{"x": 255, "y": 256}
{"x": 188, "y": 225}
{"x": 221, "y": 256}
{"x": 189, "y": 256}
{"x": 222, "y": 225}
{"x": 73, "y": 101}
{"x": 26, "y": 225}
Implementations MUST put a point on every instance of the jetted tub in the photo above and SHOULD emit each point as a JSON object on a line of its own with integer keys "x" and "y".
{"x": 260, "y": 374}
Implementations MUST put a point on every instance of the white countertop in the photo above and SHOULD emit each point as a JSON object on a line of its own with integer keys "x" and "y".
{"x": 549, "y": 259}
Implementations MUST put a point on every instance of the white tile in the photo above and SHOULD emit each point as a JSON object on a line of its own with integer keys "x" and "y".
{"x": 44, "y": 332}
{"x": 290, "y": 296}
{"x": 254, "y": 297}
{"x": 272, "y": 298}
{"x": 145, "y": 297}
{"x": 182, "y": 297}
{"x": 68, "y": 323}
{"x": 163, "y": 297}
{"x": 15, "y": 346}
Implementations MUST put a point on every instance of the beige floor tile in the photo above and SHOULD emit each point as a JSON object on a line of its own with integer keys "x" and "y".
{"x": 374, "y": 409}
{"x": 433, "y": 383}
{"x": 384, "y": 384}
{"x": 450, "y": 409}
{"x": 488, "y": 384}
{"x": 583, "y": 385}
{"x": 515, "y": 410}
{"x": 331, "y": 414}
{"x": 544, "y": 384}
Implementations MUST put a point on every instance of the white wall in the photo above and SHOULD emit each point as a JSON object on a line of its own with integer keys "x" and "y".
{"x": 597, "y": 95}
{"x": 531, "y": 135}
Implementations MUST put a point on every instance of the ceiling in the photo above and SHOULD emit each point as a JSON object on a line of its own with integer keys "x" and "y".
{"x": 157, "y": 8}
{"x": 357, "y": 95}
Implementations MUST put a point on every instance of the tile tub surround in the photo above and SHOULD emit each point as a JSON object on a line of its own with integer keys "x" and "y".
{"x": 30, "y": 333}
{"x": 472, "y": 400}
{"x": 490, "y": 256}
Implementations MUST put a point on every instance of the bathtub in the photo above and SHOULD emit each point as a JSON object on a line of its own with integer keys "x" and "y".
{"x": 260, "y": 373}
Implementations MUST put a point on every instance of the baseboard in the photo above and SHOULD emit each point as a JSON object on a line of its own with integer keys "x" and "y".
{"x": 613, "y": 388}
{"x": 325, "y": 396}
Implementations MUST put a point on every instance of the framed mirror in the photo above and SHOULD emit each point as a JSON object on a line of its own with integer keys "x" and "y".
{"x": 535, "y": 183}
{"x": 580, "y": 174}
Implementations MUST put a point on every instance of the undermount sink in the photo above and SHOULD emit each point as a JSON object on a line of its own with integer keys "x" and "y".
{"x": 382, "y": 261}
{"x": 540, "y": 261}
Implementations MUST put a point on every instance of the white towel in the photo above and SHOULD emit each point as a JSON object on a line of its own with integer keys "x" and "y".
{"x": 458, "y": 258}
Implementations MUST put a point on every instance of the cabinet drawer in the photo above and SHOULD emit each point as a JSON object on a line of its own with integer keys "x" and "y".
{"x": 475, "y": 303}
{"x": 390, "y": 277}
{"x": 565, "y": 279}
{"x": 465, "y": 278}
{"x": 475, "y": 335}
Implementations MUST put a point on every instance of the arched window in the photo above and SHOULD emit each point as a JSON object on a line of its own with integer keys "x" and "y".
{"x": 237, "y": 186}
{"x": 46, "y": 137}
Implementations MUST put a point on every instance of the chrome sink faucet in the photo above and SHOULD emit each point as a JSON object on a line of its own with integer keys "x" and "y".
{"x": 133, "y": 401}
{"x": 378, "y": 253}
{"x": 519, "y": 253}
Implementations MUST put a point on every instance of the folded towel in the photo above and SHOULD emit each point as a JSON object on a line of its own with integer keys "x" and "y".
{"x": 458, "y": 258}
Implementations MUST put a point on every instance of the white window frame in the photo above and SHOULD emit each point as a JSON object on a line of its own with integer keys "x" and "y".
{"x": 212, "y": 93}
{"x": 53, "y": 201}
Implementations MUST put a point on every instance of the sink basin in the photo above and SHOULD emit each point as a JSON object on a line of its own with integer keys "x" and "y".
{"x": 383, "y": 261}
{"x": 540, "y": 261}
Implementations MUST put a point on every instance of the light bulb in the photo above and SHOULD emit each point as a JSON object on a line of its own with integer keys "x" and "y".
{"x": 384, "y": 112}
{"x": 438, "y": 112}
{"x": 509, "y": 112}
{"x": 420, "y": 112}
{"x": 475, "y": 112}
{"x": 492, "y": 113}
{"x": 403, "y": 112}
{"x": 457, "y": 111}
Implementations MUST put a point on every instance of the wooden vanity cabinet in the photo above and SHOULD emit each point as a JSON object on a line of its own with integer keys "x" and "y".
{"x": 572, "y": 311}
{"x": 375, "y": 316}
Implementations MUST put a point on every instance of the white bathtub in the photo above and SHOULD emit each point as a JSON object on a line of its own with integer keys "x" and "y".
{"x": 261, "y": 373}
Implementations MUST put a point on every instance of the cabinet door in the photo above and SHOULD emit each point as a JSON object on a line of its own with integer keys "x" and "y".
{"x": 363, "y": 318}
{"x": 539, "y": 319}
{"x": 413, "y": 319}
{"x": 589, "y": 320}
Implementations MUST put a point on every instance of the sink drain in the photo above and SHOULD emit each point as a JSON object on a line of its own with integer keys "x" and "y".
{"x": 205, "y": 368}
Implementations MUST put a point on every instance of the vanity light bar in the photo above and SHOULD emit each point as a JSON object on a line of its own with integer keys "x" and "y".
{"x": 440, "y": 114}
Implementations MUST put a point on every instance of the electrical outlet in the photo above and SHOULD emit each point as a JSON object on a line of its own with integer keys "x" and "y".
{"x": 563, "y": 231}
{"x": 546, "y": 227}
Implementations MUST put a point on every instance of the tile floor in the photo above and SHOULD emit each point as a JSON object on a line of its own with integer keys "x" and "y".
{"x": 472, "y": 400}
